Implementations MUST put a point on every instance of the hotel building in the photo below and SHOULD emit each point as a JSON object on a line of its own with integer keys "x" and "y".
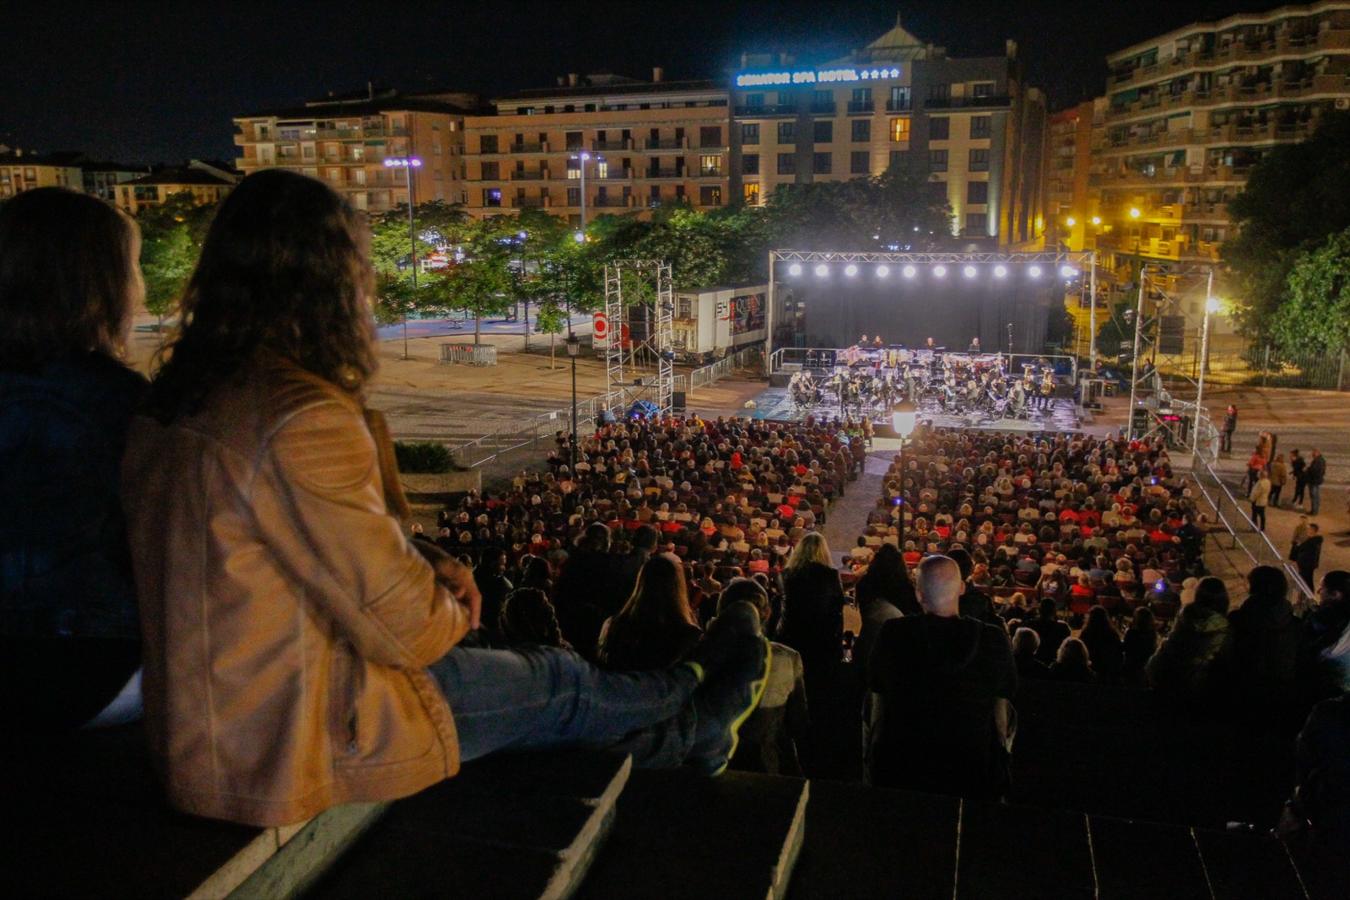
{"x": 1189, "y": 113}
{"x": 969, "y": 127}
{"x": 345, "y": 141}
{"x": 642, "y": 143}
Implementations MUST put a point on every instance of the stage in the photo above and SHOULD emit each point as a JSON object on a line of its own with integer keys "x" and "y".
{"x": 776, "y": 403}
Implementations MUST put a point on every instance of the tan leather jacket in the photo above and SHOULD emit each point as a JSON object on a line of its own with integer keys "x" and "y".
{"x": 287, "y": 620}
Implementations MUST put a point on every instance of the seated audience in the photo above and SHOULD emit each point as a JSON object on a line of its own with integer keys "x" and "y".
{"x": 1193, "y": 664}
{"x": 1025, "y": 644}
{"x": 528, "y": 618}
{"x": 656, "y": 628}
{"x": 1138, "y": 646}
{"x": 1104, "y": 646}
{"x": 1072, "y": 663}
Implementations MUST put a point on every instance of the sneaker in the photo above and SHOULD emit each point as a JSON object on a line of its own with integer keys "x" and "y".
{"x": 718, "y": 646}
{"x": 726, "y": 701}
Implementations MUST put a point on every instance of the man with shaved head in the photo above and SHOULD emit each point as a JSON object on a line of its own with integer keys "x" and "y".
{"x": 939, "y": 683}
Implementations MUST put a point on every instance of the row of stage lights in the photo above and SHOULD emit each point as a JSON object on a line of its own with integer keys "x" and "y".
{"x": 822, "y": 270}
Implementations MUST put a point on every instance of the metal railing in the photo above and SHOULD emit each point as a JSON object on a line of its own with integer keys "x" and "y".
{"x": 1245, "y": 536}
{"x": 745, "y": 358}
{"x": 516, "y": 434}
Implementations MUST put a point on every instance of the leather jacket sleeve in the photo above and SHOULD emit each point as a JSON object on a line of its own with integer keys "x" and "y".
{"x": 332, "y": 530}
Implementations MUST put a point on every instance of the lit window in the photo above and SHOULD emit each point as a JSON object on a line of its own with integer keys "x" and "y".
{"x": 900, "y": 129}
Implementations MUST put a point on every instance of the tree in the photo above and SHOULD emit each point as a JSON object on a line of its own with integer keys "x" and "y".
{"x": 171, "y": 240}
{"x": 1295, "y": 197}
{"x": 438, "y": 224}
{"x": 481, "y": 284}
{"x": 1315, "y": 316}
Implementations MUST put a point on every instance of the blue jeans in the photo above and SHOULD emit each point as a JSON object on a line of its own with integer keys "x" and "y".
{"x": 1314, "y": 499}
{"x": 539, "y": 697}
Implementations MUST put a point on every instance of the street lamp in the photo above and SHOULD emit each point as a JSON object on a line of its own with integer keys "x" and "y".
{"x": 904, "y": 416}
{"x": 584, "y": 157}
{"x": 407, "y": 164}
{"x": 1212, "y": 306}
{"x": 573, "y": 348}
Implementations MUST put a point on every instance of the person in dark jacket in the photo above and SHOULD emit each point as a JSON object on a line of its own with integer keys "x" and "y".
{"x": 1050, "y": 629}
{"x": 579, "y": 596}
{"x": 490, "y": 576}
{"x": 1307, "y": 554}
{"x": 1320, "y": 807}
{"x": 1314, "y": 476}
{"x": 1138, "y": 646}
{"x": 1192, "y": 665}
{"x": 813, "y": 610}
{"x": 1072, "y": 664}
{"x": 70, "y": 641}
{"x": 1265, "y": 641}
{"x": 1025, "y": 644}
{"x": 528, "y": 618}
{"x": 887, "y": 578}
{"x": 656, "y": 628}
{"x": 1104, "y": 646}
{"x": 974, "y": 604}
{"x": 1321, "y": 629}
{"x": 626, "y": 576}
{"x": 942, "y": 685}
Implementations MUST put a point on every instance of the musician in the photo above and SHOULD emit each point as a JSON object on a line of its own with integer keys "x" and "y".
{"x": 974, "y": 345}
{"x": 876, "y": 342}
{"x": 1047, "y": 389}
{"x": 929, "y": 345}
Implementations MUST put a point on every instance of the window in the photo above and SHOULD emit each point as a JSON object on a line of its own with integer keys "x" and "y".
{"x": 491, "y": 171}
{"x": 710, "y": 165}
{"x": 602, "y": 169}
{"x": 750, "y": 133}
{"x": 977, "y": 192}
{"x": 822, "y": 101}
{"x": 861, "y": 129}
{"x": 487, "y": 143}
{"x": 977, "y": 222}
{"x": 899, "y": 99}
{"x": 861, "y": 98}
{"x": 787, "y": 132}
{"x": 979, "y": 160}
{"x": 654, "y": 195}
{"x": 574, "y": 196}
{"x": 939, "y": 128}
{"x": 940, "y": 93}
{"x": 900, "y": 129}
{"x": 787, "y": 164}
{"x": 572, "y": 140}
{"x": 937, "y": 160}
{"x": 710, "y": 136}
{"x": 822, "y": 132}
{"x": 492, "y": 196}
{"x": 937, "y": 192}
{"x": 821, "y": 163}
{"x": 710, "y": 195}
{"x": 859, "y": 162}
{"x": 982, "y": 89}
{"x": 899, "y": 159}
{"x": 979, "y": 126}
{"x": 750, "y": 164}
{"x": 754, "y": 101}
{"x": 750, "y": 194}
{"x": 679, "y": 192}
{"x": 573, "y": 169}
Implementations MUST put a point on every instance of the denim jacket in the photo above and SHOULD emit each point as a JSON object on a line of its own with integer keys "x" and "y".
{"x": 65, "y": 569}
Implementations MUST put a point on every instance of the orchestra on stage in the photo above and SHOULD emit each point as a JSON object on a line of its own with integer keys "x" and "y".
{"x": 867, "y": 379}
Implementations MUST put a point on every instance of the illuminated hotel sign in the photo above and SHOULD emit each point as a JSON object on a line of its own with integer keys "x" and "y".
{"x": 814, "y": 76}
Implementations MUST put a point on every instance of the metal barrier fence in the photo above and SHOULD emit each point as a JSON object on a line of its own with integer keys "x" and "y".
{"x": 747, "y": 358}
{"x": 469, "y": 354}
{"x": 1234, "y": 360}
{"x": 532, "y": 432}
{"x": 1230, "y": 514}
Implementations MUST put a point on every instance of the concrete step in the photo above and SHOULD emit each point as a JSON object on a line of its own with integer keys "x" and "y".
{"x": 871, "y": 843}
{"x": 513, "y": 826}
{"x": 680, "y": 835}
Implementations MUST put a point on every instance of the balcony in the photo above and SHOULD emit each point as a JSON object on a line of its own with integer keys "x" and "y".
{"x": 1165, "y": 177}
{"x": 766, "y": 111}
{"x": 601, "y": 146}
{"x": 856, "y": 107}
{"x": 654, "y": 174}
{"x": 611, "y": 202}
{"x": 709, "y": 173}
{"x": 667, "y": 144}
{"x": 612, "y": 175}
{"x": 529, "y": 147}
{"x": 826, "y": 109}
{"x": 529, "y": 202}
{"x": 346, "y": 134}
{"x": 1282, "y": 45}
{"x": 899, "y": 105}
{"x": 541, "y": 175}
{"x": 993, "y": 102}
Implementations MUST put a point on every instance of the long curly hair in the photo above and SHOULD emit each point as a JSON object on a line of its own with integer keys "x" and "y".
{"x": 284, "y": 269}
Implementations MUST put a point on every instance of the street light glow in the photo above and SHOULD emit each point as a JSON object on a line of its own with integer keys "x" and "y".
{"x": 1134, "y": 212}
{"x": 1096, "y": 220}
{"x": 1071, "y": 221}
{"x": 1213, "y": 305}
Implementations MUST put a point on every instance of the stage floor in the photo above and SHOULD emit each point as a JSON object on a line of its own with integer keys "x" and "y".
{"x": 776, "y": 403}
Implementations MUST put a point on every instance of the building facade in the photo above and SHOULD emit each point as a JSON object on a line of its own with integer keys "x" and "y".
{"x": 205, "y": 183}
{"x": 1189, "y": 113}
{"x": 102, "y": 178}
{"x": 969, "y": 127}
{"x": 1071, "y": 204}
{"x": 641, "y": 143}
{"x": 21, "y": 171}
{"x": 345, "y": 142}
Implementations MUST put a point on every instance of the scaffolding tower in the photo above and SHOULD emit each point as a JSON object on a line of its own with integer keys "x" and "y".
{"x": 1167, "y": 384}
{"x": 641, "y": 334}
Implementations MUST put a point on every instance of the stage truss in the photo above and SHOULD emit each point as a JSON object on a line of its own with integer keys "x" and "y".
{"x": 1164, "y": 399}
{"x": 651, "y": 315}
{"x": 1083, "y": 261}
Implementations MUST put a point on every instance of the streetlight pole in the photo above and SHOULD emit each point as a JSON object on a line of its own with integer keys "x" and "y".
{"x": 407, "y": 164}
{"x": 1211, "y": 307}
{"x": 903, "y": 418}
{"x": 526, "y": 301}
{"x": 573, "y": 348}
{"x": 584, "y": 157}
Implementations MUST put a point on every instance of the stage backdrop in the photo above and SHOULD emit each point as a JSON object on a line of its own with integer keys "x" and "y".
{"x": 904, "y": 311}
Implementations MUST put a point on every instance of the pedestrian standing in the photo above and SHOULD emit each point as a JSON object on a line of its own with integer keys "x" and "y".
{"x": 1230, "y": 418}
{"x": 1298, "y": 470}
{"x": 1300, "y": 535}
{"x": 1316, "y": 474}
{"x": 1279, "y": 474}
{"x": 1260, "y": 496}
{"x": 1308, "y": 554}
{"x": 1256, "y": 464}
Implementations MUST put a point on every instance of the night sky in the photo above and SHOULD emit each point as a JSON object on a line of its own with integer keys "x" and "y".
{"x": 145, "y": 82}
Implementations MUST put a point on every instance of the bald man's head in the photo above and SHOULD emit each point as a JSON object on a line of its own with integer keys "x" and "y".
{"x": 939, "y": 585}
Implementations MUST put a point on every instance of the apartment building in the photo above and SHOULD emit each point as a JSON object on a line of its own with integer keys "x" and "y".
{"x": 1073, "y": 217}
{"x": 346, "y": 140}
{"x": 102, "y": 178}
{"x": 1189, "y": 113}
{"x": 970, "y": 127}
{"x": 22, "y": 171}
{"x": 207, "y": 184}
{"x": 638, "y": 143}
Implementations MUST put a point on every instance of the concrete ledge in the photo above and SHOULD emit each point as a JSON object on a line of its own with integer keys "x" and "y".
{"x": 439, "y": 484}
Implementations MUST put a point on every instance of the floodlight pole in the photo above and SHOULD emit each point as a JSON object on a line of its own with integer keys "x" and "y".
{"x": 1092, "y": 317}
{"x": 412, "y": 243}
{"x": 768, "y": 323}
{"x": 1204, "y": 359}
